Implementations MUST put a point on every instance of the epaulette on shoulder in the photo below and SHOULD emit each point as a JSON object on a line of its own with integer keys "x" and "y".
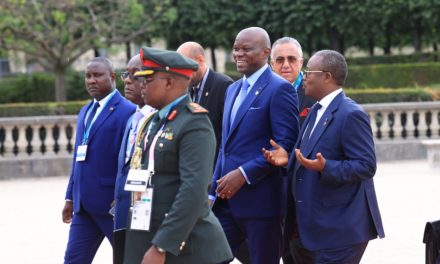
{"x": 196, "y": 108}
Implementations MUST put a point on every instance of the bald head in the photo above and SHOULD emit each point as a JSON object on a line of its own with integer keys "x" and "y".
{"x": 191, "y": 50}
{"x": 258, "y": 33}
{"x": 194, "y": 51}
{"x": 135, "y": 61}
{"x": 251, "y": 50}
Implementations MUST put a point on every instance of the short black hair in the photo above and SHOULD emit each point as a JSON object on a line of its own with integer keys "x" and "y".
{"x": 334, "y": 62}
{"x": 104, "y": 61}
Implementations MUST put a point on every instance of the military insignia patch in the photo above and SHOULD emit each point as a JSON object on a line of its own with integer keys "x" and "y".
{"x": 196, "y": 108}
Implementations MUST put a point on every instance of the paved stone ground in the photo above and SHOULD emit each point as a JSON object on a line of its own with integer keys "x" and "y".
{"x": 31, "y": 230}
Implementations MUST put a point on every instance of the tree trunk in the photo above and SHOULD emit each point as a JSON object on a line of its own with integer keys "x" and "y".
{"x": 214, "y": 61}
{"x": 60, "y": 84}
{"x": 388, "y": 31}
{"x": 309, "y": 45}
{"x": 371, "y": 45}
{"x": 418, "y": 34}
{"x": 434, "y": 46}
{"x": 128, "y": 50}
{"x": 336, "y": 40}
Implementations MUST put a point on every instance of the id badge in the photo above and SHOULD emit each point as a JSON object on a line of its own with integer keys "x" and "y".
{"x": 137, "y": 180}
{"x": 141, "y": 214}
{"x": 81, "y": 153}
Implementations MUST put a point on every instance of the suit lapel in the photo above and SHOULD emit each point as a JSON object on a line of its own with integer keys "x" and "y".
{"x": 206, "y": 89}
{"x": 292, "y": 164}
{"x": 301, "y": 94}
{"x": 320, "y": 128}
{"x": 323, "y": 124}
{"x": 229, "y": 103}
{"x": 255, "y": 91}
{"x": 124, "y": 142}
{"x": 105, "y": 113}
{"x": 82, "y": 116}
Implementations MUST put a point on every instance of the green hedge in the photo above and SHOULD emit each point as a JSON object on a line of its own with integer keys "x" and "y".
{"x": 37, "y": 109}
{"x": 40, "y": 87}
{"x": 385, "y": 75}
{"x": 362, "y": 96}
{"x": 387, "y": 59}
{"x": 393, "y": 75}
{"x": 382, "y": 95}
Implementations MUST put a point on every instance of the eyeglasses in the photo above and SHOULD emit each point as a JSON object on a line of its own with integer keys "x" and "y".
{"x": 290, "y": 59}
{"x": 126, "y": 74}
{"x": 306, "y": 72}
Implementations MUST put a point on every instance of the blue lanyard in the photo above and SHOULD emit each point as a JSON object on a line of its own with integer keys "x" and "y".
{"x": 298, "y": 81}
{"x": 87, "y": 132}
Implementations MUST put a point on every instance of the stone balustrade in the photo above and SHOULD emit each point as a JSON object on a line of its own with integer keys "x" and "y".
{"x": 37, "y": 136}
{"x": 36, "y": 144}
{"x": 404, "y": 121}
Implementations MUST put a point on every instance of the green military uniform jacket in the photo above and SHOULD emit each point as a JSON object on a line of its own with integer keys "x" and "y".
{"x": 182, "y": 222}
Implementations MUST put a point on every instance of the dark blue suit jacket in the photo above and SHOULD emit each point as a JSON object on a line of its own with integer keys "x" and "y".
{"x": 122, "y": 198}
{"x": 92, "y": 181}
{"x": 270, "y": 111}
{"x": 339, "y": 206}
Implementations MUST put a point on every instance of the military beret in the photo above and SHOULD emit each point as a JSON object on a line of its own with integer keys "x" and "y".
{"x": 154, "y": 60}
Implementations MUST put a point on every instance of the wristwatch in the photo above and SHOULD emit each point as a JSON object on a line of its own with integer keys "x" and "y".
{"x": 160, "y": 250}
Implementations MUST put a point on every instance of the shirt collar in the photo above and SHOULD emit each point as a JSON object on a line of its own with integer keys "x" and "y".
{"x": 254, "y": 77}
{"x": 326, "y": 101}
{"x": 202, "y": 82}
{"x": 145, "y": 110}
{"x": 104, "y": 100}
{"x": 164, "y": 111}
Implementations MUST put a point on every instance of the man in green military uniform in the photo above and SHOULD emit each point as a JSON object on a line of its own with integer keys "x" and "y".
{"x": 176, "y": 153}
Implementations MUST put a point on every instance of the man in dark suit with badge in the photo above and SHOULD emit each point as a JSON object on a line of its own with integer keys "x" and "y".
{"x": 248, "y": 192}
{"x": 170, "y": 220}
{"x": 286, "y": 60}
{"x": 207, "y": 87}
{"x": 99, "y": 132}
{"x": 333, "y": 206}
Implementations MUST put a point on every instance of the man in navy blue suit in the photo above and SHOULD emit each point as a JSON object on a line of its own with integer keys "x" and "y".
{"x": 143, "y": 112}
{"x": 333, "y": 210}
{"x": 247, "y": 192}
{"x": 90, "y": 191}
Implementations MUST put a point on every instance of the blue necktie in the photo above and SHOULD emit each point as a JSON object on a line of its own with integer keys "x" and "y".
{"x": 132, "y": 134}
{"x": 313, "y": 114}
{"x": 91, "y": 115}
{"x": 239, "y": 100}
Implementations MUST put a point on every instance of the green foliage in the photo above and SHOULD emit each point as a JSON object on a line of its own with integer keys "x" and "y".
{"x": 38, "y": 87}
{"x": 37, "y": 109}
{"x": 388, "y": 59}
{"x": 382, "y": 95}
{"x": 56, "y": 33}
{"x": 393, "y": 75}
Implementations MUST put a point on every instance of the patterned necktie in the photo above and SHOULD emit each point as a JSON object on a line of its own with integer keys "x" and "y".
{"x": 313, "y": 114}
{"x": 132, "y": 134}
{"x": 91, "y": 115}
{"x": 239, "y": 100}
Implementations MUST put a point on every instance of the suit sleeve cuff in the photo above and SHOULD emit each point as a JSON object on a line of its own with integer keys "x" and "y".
{"x": 211, "y": 197}
{"x": 244, "y": 175}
